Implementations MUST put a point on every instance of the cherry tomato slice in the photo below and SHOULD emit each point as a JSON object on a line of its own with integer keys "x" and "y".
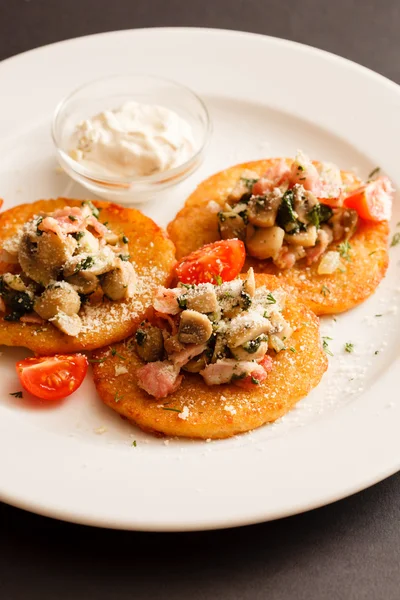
{"x": 213, "y": 263}
{"x": 372, "y": 201}
{"x": 52, "y": 377}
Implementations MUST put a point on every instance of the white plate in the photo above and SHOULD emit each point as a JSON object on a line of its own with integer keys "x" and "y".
{"x": 267, "y": 97}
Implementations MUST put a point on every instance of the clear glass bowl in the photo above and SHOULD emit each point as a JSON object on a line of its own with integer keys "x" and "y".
{"x": 110, "y": 93}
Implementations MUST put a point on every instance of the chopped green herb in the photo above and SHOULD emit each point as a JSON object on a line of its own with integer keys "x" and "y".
{"x": 300, "y": 168}
{"x": 271, "y": 299}
{"x": 115, "y": 353}
{"x": 117, "y": 397}
{"x": 373, "y": 173}
{"x": 238, "y": 377}
{"x": 221, "y": 217}
{"x": 245, "y": 300}
{"x": 182, "y": 302}
{"x": 140, "y": 337}
{"x": 344, "y": 250}
{"x": 97, "y": 360}
{"x": 292, "y": 349}
{"x": 248, "y": 182}
{"x": 287, "y": 217}
{"x": 72, "y": 218}
{"x": 319, "y": 214}
{"x": 16, "y": 394}
{"x": 373, "y": 252}
{"x": 124, "y": 257}
{"x": 78, "y": 235}
{"x": 134, "y": 443}
{"x": 38, "y": 231}
{"x": 378, "y": 315}
{"x": 376, "y": 352}
{"x": 218, "y": 280}
{"x": 349, "y": 347}
{"x": 105, "y": 223}
{"x": 85, "y": 264}
{"x": 95, "y": 211}
{"x": 325, "y": 345}
{"x": 325, "y": 290}
{"x": 125, "y": 239}
{"x": 178, "y": 410}
{"x": 396, "y": 239}
{"x": 254, "y": 380}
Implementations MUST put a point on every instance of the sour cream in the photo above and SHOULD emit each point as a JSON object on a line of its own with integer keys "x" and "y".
{"x": 135, "y": 140}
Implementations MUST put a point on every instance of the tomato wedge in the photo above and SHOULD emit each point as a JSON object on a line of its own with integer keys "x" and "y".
{"x": 52, "y": 377}
{"x": 372, "y": 201}
{"x": 213, "y": 263}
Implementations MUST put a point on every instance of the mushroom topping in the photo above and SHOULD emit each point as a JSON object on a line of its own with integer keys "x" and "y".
{"x": 231, "y": 225}
{"x": 58, "y": 298}
{"x": 119, "y": 283}
{"x": 265, "y": 242}
{"x": 202, "y": 299}
{"x": 306, "y": 238}
{"x": 149, "y": 342}
{"x": 84, "y": 282}
{"x": 194, "y": 328}
{"x": 68, "y": 324}
{"x": 87, "y": 242}
{"x": 252, "y": 350}
{"x": 262, "y": 210}
{"x": 42, "y": 256}
{"x": 246, "y": 327}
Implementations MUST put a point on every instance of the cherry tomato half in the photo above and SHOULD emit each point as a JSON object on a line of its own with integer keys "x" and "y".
{"x": 372, "y": 201}
{"x": 52, "y": 377}
{"x": 213, "y": 263}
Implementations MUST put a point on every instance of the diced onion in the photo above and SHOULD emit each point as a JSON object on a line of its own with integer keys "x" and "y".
{"x": 329, "y": 263}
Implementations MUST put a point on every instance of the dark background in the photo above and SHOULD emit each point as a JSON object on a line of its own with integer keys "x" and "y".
{"x": 349, "y": 550}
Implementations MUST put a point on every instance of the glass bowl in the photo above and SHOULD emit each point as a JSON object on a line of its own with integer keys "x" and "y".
{"x": 110, "y": 93}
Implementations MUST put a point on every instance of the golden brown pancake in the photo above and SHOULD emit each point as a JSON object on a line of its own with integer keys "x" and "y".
{"x": 152, "y": 255}
{"x": 195, "y": 225}
{"x": 223, "y": 410}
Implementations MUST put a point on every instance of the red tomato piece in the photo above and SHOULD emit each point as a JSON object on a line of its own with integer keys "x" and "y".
{"x": 213, "y": 263}
{"x": 52, "y": 377}
{"x": 372, "y": 201}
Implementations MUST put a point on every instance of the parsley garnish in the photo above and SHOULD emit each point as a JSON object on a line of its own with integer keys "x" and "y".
{"x": 325, "y": 345}
{"x": 134, "y": 443}
{"x": 344, "y": 250}
{"x": 248, "y": 182}
{"x": 292, "y": 349}
{"x": 96, "y": 360}
{"x": 16, "y": 394}
{"x": 271, "y": 299}
{"x": 140, "y": 337}
{"x": 125, "y": 239}
{"x": 182, "y": 302}
{"x": 349, "y": 347}
{"x": 395, "y": 239}
{"x": 72, "y": 218}
{"x": 178, "y": 410}
{"x": 117, "y": 397}
{"x": 124, "y": 257}
{"x": 78, "y": 235}
{"x": 38, "y": 231}
{"x": 373, "y": 252}
{"x": 325, "y": 290}
{"x": 86, "y": 263}
{"x": 254, "y": 380}
{"x": 218, "y": 280}
{"x": 373, "y": 173}
{"x": 319, "y": 214}
{"x": 115, "y": 353}
{"x": 378, "y": 315}
{"x": 376, "y": 352}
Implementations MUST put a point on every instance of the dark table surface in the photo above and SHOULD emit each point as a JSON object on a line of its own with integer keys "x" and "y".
{"x": 349, "y": 550}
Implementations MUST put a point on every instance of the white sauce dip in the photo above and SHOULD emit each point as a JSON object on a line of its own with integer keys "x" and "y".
{"x": 135, "y": 140}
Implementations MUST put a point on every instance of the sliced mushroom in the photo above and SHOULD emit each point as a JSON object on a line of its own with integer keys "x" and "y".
{"x": 282, "y": 329}
{"x": 265, "y": 242}
{"x": 197, "y": 364}
{"x": 84, "y": 282}
{"x": 245, "y": 327}
{"x": 120, "y": 283}
{"x": 344, "y": 223}
{"x": 243, "y": 185}
{"x": 231, "y": 225}
{"x": 202, "y": 299}
{"x": 303, "y": 203}
{"x": 68, "y": 324}
{"x": 149, "y": 343}
{"x": 43, "y": 256}
{"x": 58, "y": 298}
{"x": 105, "y": 260}
{"x": 194, "y": 328}
{"x": 262, "y": 210}
{"x": 172, "y": 343}
{"x": 249, "y": 284}
{"x": 15, "y": 282}
{"x": 252, "y": 350}
{"x": 305, "y": 238}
